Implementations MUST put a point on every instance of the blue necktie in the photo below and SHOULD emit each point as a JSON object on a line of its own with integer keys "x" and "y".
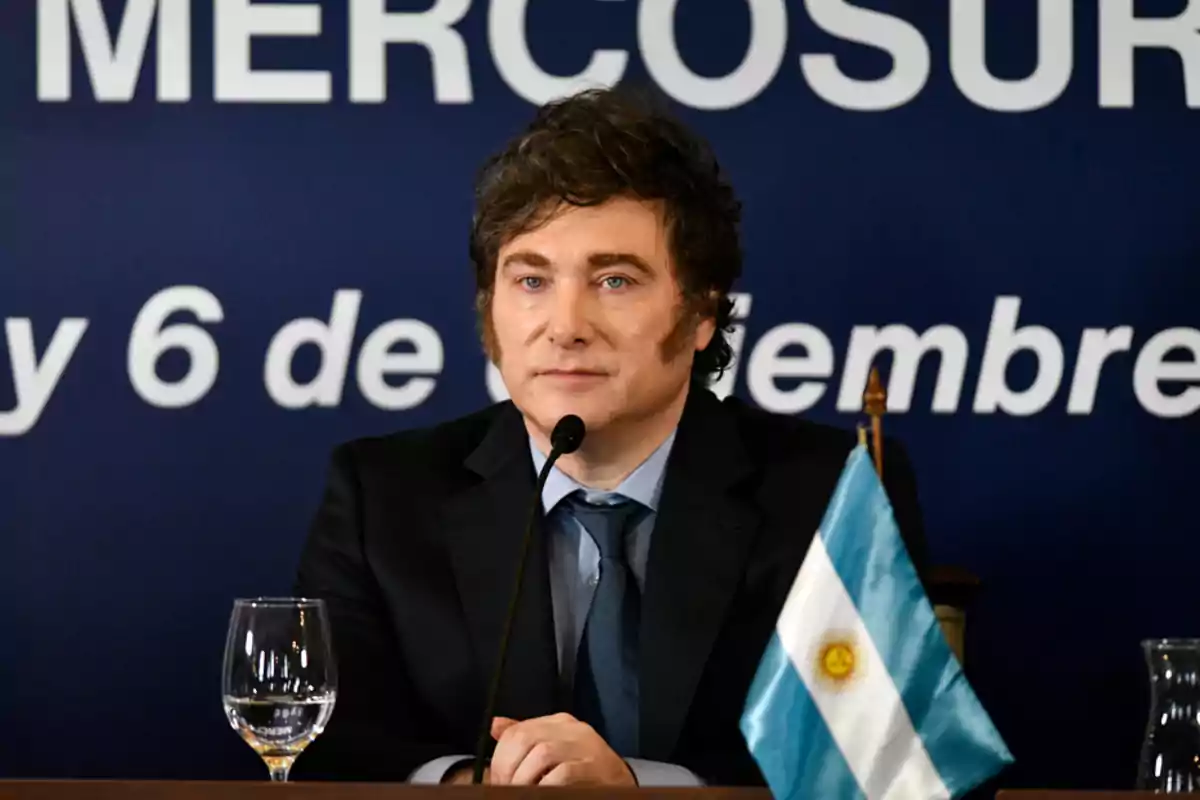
{"x": 606, "y": 678}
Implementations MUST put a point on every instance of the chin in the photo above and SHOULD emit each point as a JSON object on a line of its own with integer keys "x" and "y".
{"x": 547, "y": 414}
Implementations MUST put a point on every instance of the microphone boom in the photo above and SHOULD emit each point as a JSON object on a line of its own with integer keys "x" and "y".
{"x": 566, "y": 437}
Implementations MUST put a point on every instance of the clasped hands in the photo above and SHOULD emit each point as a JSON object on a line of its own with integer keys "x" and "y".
{"x": 558, "y": 750}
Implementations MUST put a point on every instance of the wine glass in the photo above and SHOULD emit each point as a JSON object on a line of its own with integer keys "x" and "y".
{"x": 279, "y": 679}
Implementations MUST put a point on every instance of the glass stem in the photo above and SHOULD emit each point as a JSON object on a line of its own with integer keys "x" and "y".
{"x": 279, "y": 767}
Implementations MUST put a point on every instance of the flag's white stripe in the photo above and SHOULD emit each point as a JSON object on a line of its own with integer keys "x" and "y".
{"x": 867, "y": 717}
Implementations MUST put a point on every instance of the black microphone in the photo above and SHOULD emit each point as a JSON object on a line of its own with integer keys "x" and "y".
{"x": 566, "y": 437}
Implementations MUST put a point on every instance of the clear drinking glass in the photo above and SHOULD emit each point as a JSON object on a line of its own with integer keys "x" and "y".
{"x": 279, "y": 680}
{"x": 1170, "y": 758}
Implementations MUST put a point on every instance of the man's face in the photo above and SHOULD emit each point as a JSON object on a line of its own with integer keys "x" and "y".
{"x": 587, "y": 317}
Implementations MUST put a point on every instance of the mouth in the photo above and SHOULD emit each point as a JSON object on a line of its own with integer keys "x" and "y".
{"x": 571, "y": 372}
{"x": 572, "y": 375}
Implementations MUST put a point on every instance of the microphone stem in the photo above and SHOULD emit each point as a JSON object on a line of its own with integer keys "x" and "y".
{"x": 485, "y": 732}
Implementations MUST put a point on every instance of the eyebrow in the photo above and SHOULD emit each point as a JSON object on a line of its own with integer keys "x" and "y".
{"x": 612, "y": 259}
{"x": 531, "y": 258}
{"x": 527, "y": 257}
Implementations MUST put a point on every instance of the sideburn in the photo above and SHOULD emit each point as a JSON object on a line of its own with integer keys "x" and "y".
{"x": 680, "y": 337}
{"x": 487, "y": 331}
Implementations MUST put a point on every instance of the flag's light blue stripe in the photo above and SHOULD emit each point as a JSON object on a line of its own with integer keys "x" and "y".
{"x": 865, "y": 547}
{"x": 788, "y": 737}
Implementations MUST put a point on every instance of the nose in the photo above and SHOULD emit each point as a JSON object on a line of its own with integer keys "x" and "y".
{"x": 569, "y": 315}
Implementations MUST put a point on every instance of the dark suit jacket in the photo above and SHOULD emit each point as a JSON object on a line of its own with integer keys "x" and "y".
{"x": 415, "y": 548}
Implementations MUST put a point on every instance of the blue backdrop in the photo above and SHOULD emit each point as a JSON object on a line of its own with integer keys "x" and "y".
{"x": 166, "y": 213}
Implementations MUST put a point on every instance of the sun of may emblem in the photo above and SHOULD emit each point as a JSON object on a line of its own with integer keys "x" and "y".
{"x": 837, "y": 660}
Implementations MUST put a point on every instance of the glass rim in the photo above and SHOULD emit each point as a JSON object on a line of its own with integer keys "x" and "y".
{"x": 278, "y": 602}
{"x": 1178, "y": 641}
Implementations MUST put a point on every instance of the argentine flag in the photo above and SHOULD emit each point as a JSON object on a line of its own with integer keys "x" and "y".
{"x": 857, "y": 694}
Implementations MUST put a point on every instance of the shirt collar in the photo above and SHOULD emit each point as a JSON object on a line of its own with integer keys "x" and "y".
{"x": 644, "y": 484}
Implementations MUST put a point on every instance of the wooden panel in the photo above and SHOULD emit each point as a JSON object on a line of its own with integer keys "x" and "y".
{"x": 1064, "y": 794}
{"x": 264, "y": 790}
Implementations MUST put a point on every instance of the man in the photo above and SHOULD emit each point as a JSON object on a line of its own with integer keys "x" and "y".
{"x": 605, "y": 243}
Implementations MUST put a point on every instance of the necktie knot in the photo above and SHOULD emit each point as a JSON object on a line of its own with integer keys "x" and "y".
{"x": 607, "y": 523}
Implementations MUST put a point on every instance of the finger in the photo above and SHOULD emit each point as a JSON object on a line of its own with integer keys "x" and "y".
{"x": 511, "y": 748}
{"x": 500, "y": 725}
{"x": 518, "y": 739}
{"x": 460, "y": 775}
{"x": 567, "y": 773}
{"x": 544, "y": 757}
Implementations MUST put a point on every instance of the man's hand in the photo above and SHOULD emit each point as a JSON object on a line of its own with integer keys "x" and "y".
{"x": 464, "y": 775}
{"x": 554, "y": 751}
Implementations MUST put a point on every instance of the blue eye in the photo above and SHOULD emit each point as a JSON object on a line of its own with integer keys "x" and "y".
{"x": 615, "y": 282}
{"x": 531, "y": 282}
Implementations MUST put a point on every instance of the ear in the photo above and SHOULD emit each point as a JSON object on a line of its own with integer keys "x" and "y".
{"x": 705, "y": 330}
{"x": 706, "y": 327}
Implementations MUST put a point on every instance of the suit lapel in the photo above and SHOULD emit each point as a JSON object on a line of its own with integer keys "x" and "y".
{"x": 485, "y": 524}
{"x": 701, "y": 539}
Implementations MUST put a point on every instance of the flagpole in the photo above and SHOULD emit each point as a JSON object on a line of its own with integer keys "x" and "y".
{"x": 875, "y": 404}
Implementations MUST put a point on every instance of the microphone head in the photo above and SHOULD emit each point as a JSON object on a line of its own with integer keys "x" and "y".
{"x": 567, "y": 434}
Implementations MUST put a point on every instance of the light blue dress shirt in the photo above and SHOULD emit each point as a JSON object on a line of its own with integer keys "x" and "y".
{"x": 575, "y": 569}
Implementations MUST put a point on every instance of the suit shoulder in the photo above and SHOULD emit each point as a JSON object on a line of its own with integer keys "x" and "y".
{"x": 788, "y": 447}
{"x": 775, "y": 438}
{"x": 778, "y": 436}
{"x": 426, "y": 451}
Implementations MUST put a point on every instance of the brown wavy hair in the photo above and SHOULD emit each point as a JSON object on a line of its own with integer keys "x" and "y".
{"x": 599, "y": 144}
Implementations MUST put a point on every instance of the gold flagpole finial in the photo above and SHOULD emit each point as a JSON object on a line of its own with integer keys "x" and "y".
{"x": 875, "y": 404}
